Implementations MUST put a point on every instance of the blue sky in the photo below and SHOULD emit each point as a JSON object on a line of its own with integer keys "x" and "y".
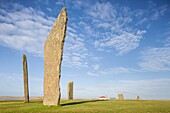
{"x": 111, "y": 47}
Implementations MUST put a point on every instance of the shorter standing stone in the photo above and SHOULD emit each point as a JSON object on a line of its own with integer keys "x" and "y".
{"x": 70, "y": 91}
{"x": 120, "y": 97}
{"x": 138, "y": 97}
{"x": 25, "y": 76}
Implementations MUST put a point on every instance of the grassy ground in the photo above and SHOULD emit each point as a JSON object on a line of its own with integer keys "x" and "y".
{"x": 87, "y": 106}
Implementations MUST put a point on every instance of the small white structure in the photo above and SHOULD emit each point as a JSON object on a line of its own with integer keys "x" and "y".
{"x": 103, "y": 98}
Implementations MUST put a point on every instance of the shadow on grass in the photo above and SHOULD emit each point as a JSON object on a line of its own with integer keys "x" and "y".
{"x": 35, "y": 102}
{"x": 79, "y": 102}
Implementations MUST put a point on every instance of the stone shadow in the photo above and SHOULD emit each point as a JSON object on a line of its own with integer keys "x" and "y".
{"x": 79, "y": 102}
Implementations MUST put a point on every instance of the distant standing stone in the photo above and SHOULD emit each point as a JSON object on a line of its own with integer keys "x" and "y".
{"x": 138, "y": 97}
{"x": 53, "y": 51}
{"x": 25, "y": 76}
{"x": 70, "y": 91}
{"x": 120, "y": 97}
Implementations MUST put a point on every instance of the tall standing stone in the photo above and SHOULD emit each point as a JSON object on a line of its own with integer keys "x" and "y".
{"x": 53, "y": 51}
{"x": 25, "y": 76}
{"x": 70, "y": 91}
{"x": 120, "y": 97}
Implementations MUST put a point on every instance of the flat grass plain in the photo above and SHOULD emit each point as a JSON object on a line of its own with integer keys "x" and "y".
{"x": 87, "y": 106}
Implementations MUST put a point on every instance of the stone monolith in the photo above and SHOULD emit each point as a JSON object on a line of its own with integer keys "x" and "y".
{"x": 70, "y": 91}
{"x": 53, "y": 51}
{"x": 25, "y": 76}
{"x": 120, "y": 97}
{"x": 138, "y": 97}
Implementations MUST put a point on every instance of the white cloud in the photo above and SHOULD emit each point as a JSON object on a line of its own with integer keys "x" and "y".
{"x": 103, "y": 25}
{"x": 26, "y": 29}
{"x": 10, "y": 77}
{"x": 122, "y": 43}
{"x": 79, "y": 4}
{"x": 15, "y": 86}
{"x": 75, "y": 53}
{"x": 46, "y": 2}
{"x": 113, "y": 27}
{"x": 96, "y": 59}
{"x": 167, "y": 44}
{"x": 18, "y": 77}
{"x": 158, "y": 12}
{"x": 142, "y": 21}
{"x": 146, "y": 89}
{"x": 49, "y": 9}
{"x": 139, "y": 13}
{"x": 110, "y": 28}
{"x": 102, "y": 11}
{"x": 60, "y": 2}
{"x": 110, "y": 71}
{"x": 155, "y": 59}
{"x": 96, "y": 66}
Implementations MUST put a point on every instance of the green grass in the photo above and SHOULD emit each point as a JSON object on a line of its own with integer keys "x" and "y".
{"x": 87, "y": 106}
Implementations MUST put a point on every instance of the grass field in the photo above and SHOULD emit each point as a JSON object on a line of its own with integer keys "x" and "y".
{"x": 87, "y": 106}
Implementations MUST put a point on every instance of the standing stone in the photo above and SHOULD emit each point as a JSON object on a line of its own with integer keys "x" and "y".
{"x": 70, "y": 91}
{"x": 120, "y": 97}
{"x": 25, "y": 76}
{"x": 138, "y": 97}
{"x": 53, "y": 51}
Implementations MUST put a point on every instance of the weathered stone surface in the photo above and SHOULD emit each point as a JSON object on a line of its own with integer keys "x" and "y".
{"x": 25, "y": 76}
{"x": 120, "y": 97}
{"x": 53, "y": 50}
{"x": 70, "y": 91}
{"x": 138, "y": 97}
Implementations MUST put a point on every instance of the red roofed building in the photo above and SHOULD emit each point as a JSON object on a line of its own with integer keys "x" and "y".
{"x": 102, "y": 97}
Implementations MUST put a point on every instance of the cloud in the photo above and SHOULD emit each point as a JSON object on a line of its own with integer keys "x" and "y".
{"x": 112, "y": 27}
{"x": 61, "y": 2}
{"x": 49, "y": 9}
{"x": 18, "y": 77}
{"x": 46, "y": 2}
{"x": 101, "y": 11}
{"x": 158, "y": 12}
{"x": 122, "y": 43}
{"x": 26, "y": 29}
{"x": 155, "y": 59}
{"x": 167, "y": 43}
{"x": 96, "y": 66}
{"x": 151, "y": 13}
{"x": 75, "y": 53}
{"x": 109, "y": 25}
{"x": 110, "y": 71}
{"x": 79, "y": 4}
{"x": 11, "y": 77}
{"x": 96, "y": 58}
{"x": 142, "y": 21}
{"x": 146, "y": 89}
{"x": 15, "y": 86}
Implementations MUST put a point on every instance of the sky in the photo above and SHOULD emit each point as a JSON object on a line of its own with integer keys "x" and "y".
{"x": 111, "y": 47}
